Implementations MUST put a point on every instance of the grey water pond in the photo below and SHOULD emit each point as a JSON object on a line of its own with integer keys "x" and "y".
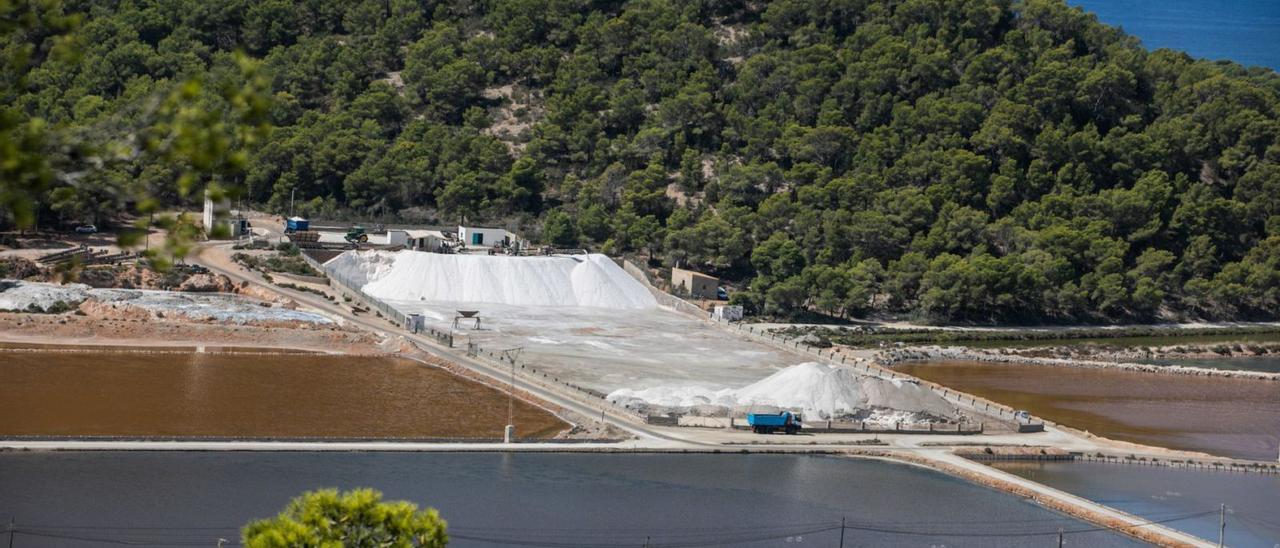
{"x": 1252, "y": 500}
{"x": 492, "y": 499}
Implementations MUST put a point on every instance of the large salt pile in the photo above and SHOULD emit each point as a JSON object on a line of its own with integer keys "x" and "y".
{"x": 582, "y": 280}
{"x": 817, "y": 389}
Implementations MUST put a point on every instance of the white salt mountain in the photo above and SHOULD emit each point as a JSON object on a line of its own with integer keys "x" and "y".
{"x": 593, "y": 281}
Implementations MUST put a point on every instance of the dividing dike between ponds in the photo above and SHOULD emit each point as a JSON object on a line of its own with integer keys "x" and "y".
{"x": 1079, "y": 507}
{"x": 927, "y": 353}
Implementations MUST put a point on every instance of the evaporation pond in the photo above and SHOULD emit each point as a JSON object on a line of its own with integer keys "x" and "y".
{"x": 1216, "y": 415}
{"x": 106, "y": 392}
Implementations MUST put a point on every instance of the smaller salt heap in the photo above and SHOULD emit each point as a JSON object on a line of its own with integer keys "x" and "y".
{"x": 822, "y": 391}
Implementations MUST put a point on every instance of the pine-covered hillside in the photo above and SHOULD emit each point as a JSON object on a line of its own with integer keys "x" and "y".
{"x": 951, "y": 160}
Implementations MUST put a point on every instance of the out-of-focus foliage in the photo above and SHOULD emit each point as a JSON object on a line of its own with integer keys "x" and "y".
{"x": 170, "y": 141}
{"x": 353, "y": 518}
{"x": 33, "y": 32}
{"x": 951, "y": 160}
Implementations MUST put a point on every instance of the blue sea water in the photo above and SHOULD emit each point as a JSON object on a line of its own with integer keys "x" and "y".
{"x": 1244, "y": 31}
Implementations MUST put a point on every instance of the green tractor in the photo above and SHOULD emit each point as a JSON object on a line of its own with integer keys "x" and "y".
{"x": 356, "y": 235}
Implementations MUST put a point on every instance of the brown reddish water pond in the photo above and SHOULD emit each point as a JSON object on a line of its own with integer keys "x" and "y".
{"x": 1220, "y": 416}
{"x": 106, "y": 392}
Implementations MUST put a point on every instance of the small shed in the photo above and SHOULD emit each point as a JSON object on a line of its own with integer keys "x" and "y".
{"x": 695, "y": 284}
{"x": 426, "y": 240}
{"x": 413, "y": 323}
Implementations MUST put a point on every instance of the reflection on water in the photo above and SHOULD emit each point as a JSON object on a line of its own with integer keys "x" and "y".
{"x": 554, "y": 499}
{"x": 1221, "y": 416}
{"x": 1155, "y": 492}
{"x": 246, "y": 395}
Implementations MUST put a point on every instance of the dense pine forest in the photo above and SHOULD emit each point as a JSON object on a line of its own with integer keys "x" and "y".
{"x": 947, "y": 160}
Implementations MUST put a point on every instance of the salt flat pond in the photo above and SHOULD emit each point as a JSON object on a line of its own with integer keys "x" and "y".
{"x": 564, "y": 499}
{"x": 118, "y": 392}
{"x": 1157, "y": 492}
{"x": 1219, "y": 416}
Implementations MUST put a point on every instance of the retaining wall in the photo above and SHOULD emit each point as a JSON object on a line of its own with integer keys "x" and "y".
{"x": 664, "y": 299}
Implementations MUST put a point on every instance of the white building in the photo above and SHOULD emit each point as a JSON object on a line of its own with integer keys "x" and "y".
{"x": 220, "y": 214}
{"x": 397, "y": 237}
{"x": 476, "y": 236}
{"x": 214, "y": 210}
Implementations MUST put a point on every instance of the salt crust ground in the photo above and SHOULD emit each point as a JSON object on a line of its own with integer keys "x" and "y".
{"x": 216, "y": 307}
{"x": 582, "y": 319}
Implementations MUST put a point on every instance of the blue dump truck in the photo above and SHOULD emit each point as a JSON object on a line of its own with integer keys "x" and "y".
{"x": 768, "y": 423}
{"x": 296, "y": 224}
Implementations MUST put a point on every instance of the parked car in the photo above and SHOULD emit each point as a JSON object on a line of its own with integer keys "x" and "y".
{"x": 722, "y": 294}
{"x": 86, "y": 229}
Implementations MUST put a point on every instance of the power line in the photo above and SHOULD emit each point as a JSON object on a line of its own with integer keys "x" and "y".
{"x": 725, "y": 540}
{"x": 688, "y": 537}
{"x": 185, "y": 540}
{"x": 1121, "y": 528}
{"x": 133, "y": 528}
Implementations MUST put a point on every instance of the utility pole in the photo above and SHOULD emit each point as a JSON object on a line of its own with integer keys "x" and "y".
{"x": 841, "y": 532}
{"x": 511, "y": 396}
{"x": 512, "y": 354}
{"x": 292, "y": 191}
{"x": 1059, "y": 537}
{"x": 11, "y": 533}
{"x": 1222, "y": 524}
